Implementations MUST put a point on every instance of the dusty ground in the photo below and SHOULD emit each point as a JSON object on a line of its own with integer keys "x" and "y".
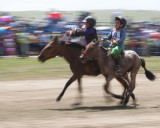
{"x": 31, "y": 104}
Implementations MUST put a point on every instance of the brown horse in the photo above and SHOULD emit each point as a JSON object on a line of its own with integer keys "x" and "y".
{"x": 130, "y": 62}
{"x": 71, "y": 54}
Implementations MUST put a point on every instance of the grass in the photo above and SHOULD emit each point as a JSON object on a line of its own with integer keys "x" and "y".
{"x": 31, "y": 68}
{"x": 152, "y": 64}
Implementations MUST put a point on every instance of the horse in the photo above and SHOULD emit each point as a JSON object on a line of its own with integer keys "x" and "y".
{"x": 71, "y": 54}
{"x": 130, "y": 62}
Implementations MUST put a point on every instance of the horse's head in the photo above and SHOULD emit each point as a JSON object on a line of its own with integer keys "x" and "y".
{"x": 90, "y": 51}
{"x": 50, "y": 51}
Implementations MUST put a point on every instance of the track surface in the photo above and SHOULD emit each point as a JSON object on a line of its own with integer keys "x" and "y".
{"x": 32, "y": 104}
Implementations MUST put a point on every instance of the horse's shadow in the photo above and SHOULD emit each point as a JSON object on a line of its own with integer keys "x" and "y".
{"x": 96, "y": 108}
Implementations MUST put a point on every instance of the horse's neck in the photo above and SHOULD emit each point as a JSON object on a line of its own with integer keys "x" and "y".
{"x": 69, "y": 53}
{"x": 104, "y": 60}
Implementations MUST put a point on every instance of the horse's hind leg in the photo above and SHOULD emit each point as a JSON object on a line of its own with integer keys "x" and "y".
{"x": 72, "y": 79}
{"x": 132, "y": 87}
{"x": 125, "y": 83}
{"x": 129, "y": 84}
{"x": 125, "y": 94}
{"x": 79, "y": 98}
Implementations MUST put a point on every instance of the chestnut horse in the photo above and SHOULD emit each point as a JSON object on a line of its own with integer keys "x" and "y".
{"x": 71, "y": 54}
{"x": 130, "y": 62}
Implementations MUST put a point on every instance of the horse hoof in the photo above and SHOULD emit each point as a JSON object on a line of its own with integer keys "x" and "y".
{"x": 125, "y": 102}
{"x": 122, "y": 101}
{"x": 58, "y": 99}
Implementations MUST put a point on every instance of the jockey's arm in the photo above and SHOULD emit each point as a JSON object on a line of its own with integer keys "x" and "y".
{"x": 109, "y": 36}
{"x": 77, "y": 32}
{"x": 107, "y": 40}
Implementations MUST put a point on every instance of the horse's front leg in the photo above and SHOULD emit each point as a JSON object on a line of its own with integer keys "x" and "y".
{"x": 72, "y": 79}
{"x": 106, "y": 87}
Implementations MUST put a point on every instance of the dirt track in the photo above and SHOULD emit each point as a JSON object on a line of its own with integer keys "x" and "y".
{"x": 31, "y": 104}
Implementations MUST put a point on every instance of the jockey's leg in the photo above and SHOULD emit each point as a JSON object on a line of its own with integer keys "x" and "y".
{"x": 117, "y": 67}
{"x": 116, "y": 53}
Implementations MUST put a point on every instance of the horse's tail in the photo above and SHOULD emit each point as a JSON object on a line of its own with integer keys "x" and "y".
{"x": 148, "y": 73}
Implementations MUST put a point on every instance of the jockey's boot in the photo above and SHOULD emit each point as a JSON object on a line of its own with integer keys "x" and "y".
{"x": 117, "y": 67}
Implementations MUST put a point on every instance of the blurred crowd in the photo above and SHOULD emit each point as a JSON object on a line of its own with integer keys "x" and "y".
{"x": 23, "y": 38}
{"x": 144, "y": 38}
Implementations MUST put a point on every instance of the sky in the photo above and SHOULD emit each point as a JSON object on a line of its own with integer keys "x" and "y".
{"x": 76, "y": 5}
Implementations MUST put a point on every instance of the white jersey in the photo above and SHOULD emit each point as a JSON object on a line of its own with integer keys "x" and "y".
{"x": 116, "y": 34}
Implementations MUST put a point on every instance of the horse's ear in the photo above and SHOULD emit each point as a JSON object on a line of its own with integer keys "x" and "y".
{"x": 55, "y": 39}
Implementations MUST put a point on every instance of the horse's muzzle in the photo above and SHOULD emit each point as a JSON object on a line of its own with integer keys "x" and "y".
{"x": 41, "y": 58}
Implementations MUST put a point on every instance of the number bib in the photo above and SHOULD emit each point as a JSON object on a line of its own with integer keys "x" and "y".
{"x": 116, "y": 34}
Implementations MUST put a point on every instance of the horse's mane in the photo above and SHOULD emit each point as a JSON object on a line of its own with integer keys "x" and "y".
{"x": 72, "y": 44}
{"x": 76, "y": 45}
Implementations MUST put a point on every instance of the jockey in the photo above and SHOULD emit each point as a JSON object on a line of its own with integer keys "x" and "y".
{"x": 117, "y": 37}
{"x": 87, "y": 30}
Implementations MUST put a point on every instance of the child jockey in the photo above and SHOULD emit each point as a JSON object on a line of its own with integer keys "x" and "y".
{"x": 117, "y": 37}
{"x": 88, "y": 30}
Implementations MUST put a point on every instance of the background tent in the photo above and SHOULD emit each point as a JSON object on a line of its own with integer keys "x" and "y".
{"x": 55, "y": 15}
{"x": 6, "y": 18}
